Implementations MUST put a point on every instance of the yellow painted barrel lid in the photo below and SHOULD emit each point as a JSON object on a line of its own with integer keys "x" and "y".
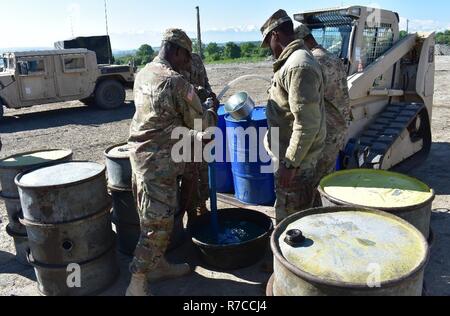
{"x": 356, "y": 247}
{"x": 376, "y": 189}
{"x": 34, "y": 158}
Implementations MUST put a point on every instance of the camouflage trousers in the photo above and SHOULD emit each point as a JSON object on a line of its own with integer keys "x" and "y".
{"x": 194, "y": 188}
{"x": 299, "y": 197}
{"x": 157, "y": 220}
{"x": 333, "y": 145}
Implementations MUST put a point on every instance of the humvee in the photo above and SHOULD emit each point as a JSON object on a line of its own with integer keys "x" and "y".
{"x": 391, "y": 82}
{"x": 41, "y": 77}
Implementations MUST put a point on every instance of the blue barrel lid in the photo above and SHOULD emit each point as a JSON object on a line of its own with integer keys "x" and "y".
{"x": 258, "y": 114}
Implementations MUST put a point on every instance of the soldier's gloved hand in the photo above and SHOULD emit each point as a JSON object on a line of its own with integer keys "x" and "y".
{"x": 202, "y": 94}
{"x": 212, "y": 104}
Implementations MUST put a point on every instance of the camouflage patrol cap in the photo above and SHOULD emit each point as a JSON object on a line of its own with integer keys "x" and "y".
{"x": 277, "y": 19}
{"x": 178, "y": 37}
{"x": 302, "y": 31}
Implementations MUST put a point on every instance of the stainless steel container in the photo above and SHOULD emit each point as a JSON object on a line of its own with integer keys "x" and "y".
{"x": 240, "y": 106}
{"x": 347, "y": 251}
{"x": 391, "y": 192}
{"x": 11, "y": 166}
{"x": 63, "y": 192}
{"x": 72, "y": 242}
{"x": 118, "y": 166}
{"x": 95, "y": 276}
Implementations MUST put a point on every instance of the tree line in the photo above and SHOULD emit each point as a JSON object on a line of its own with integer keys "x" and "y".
{"x": 443, "y": 37}
{"x": 212, "y": 52}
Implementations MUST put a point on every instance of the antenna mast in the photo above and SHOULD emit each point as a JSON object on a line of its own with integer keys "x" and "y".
{"x": 106, "y": 17}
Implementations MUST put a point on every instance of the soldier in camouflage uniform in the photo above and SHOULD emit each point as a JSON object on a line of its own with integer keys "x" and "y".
{"x": 337, "y": 101}
{"x": 195, "y": 181}
{"x": 164, "y": 101}
{"x": 296, "y": 107}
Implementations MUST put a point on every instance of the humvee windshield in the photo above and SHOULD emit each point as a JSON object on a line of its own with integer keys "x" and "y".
{"x": 3, "y": 64}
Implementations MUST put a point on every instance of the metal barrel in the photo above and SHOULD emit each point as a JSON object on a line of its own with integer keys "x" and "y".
{"x": 84, "y": 279}
{"x": 124, "y": 206}
{"x": 128, "y": 235}
{"x": 14, "y": 211}
{"x": 118, "y": 166}
{"x": 21, "y": 245}
{"x": 72, "y": 242}
{"x": 63, "y": 192}
{"x": 356, "y": 251}
{"x": 67, "y": 214}
{"x": 11, "y": 166}
{"x": 403, "y": 196}
{"x": 251, "y": 185}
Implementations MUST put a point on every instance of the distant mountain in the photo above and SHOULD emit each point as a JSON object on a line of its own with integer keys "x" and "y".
{"x": 121, "y": 53}
{"x": 23, "y": 49}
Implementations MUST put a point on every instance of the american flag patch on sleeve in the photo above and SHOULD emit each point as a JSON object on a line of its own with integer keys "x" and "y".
{"x": 191, "y": 94}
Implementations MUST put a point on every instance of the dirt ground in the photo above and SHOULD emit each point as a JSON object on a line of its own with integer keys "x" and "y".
{"x": 88, "y": 132}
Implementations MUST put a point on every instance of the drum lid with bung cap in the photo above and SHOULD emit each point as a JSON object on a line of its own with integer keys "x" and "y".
{"x": 341, "y": 247}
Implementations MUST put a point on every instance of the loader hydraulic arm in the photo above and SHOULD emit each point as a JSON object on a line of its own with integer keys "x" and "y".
{"x": 361, "y": 84}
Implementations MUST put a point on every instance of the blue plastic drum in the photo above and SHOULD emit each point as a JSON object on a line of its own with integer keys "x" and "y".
{"x": 251, "y": 185}
{"x": 224, "y": 177}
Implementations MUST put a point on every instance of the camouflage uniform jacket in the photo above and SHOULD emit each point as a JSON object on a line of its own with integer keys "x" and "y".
{"x": 336, "y": 89}
{"x": 296, "y": 107}
{"x": 198, "y": 76}
{"x": 164, "y": 101}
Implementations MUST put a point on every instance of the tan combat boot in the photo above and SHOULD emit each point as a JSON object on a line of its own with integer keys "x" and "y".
{"x": 138, "y": 286}
{"x": 166, "y": 271}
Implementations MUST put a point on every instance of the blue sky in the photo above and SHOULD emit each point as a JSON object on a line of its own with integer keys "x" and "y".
{"x": 39, "y": 23}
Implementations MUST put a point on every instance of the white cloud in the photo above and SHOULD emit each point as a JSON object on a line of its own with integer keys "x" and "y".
{"x": 416, "y": 25}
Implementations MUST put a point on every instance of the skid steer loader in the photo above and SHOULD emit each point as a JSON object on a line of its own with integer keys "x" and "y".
{"x": 391, "y": 83}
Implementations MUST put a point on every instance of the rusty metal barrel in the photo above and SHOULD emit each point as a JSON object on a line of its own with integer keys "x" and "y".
{"x": 125, "y": 214}
{"x": 387, "y": 191}
{"x": 119, "y": 167}
{"x": 348, "y": 251}
{"x": 67, "y": 214}
{"x": 10, "y": 167}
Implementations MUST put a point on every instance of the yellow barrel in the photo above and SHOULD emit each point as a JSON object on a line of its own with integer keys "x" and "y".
{"x": 392, "y": 192}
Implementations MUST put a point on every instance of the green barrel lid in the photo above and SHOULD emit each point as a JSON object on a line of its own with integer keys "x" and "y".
{"x": 376, "y": 189}
{"x": 355, "y": 246}
{"x": 61, "y": 174}
{"x": 34, "y": 158}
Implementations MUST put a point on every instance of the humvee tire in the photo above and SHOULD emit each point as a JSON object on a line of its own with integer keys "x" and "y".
{"x": 110, "y": 94}
{"x": 88, "y": 101}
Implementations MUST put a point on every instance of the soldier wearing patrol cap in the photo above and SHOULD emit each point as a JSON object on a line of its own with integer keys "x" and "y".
{"x": 164, "y": 101}
{"x": 296, "y": 108}
{"x": 337, "y": 100}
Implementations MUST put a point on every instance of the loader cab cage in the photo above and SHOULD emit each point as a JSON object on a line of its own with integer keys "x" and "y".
{"x": 377, "y": 40}
{"x": 332, "y": 30}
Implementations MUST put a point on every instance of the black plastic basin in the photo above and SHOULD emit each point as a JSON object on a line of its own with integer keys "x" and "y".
{"x": 234, "y": 256}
